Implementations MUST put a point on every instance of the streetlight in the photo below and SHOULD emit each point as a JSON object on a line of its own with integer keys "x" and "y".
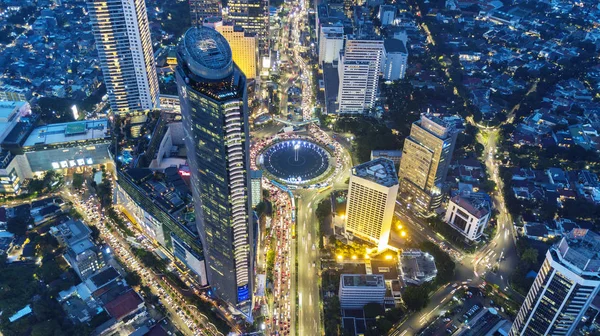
{"x": 403, "y": 234}
{"x": 400, "y": 226}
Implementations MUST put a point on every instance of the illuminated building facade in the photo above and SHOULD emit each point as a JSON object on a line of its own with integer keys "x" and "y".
{"x": 214, "y": 108}
{"x": 124, "y": 47}
{"x": 253, "y": 16}
{"x": 425, "y": 159}
{"x": 359, "y": 67}
{"x": 372, "y": 191}
{"x": 202, "y": 9}
{"x": 243, "y": 48}
{"x": 563, "y": 289}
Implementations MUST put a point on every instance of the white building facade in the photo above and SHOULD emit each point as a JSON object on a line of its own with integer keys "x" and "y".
{"x": 331, "y": 42}
{"x": 468, "y": 214}
{"x": 396, "y": 59}
{"x": 359, "y": 68}
{"x": 371, "y": 201}
{"x": 122, "y": 34}
{"x": 564, "y": 287}
{"x": 356, "y": 290}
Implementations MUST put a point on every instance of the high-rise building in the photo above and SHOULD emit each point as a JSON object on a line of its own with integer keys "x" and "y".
{"x": 564, "y": 287}
{"x": 372, "y": 192}
{"x": 243, "y": 48}
{"x": 124, "y": 47}
{"x": 203, "y": 9}
{"x": 359, "y": 68}
{"x": 253, "y": 16}
{"x": 331, "y": 42}
{"x": 425, "y": 159}
{"x": 396, "y": 58}
{"x": 213, "y": 97}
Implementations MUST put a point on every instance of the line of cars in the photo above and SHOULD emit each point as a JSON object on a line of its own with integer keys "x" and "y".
{"x": 121, "y": 248}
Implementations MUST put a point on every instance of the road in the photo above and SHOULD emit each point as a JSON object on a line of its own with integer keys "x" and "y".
{"x": 121, "y": 248}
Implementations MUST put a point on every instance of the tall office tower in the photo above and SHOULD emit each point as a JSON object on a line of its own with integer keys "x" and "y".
{"x": 359, "y": 68}
{"x": 331, "y": 42}
{"x": 243, "y": 48}
{"x": 122, "y": 36}
{"x": 564, "y": 287}
{"x": 202, "y": 9}
{"x": 396, "y": 58}
{"x": 425, "y": 159}
{"x": 372, "y": 192}
{"x": 253, "y": 16}
{"x": 212, "y": 91}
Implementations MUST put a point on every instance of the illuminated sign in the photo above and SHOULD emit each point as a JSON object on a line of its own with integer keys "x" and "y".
{"x": 72, "y": 163}
{"x": 89, "y": 161}
{"x": 80, "y": 162}
{"x": 64, "y": 164}
{"x": 55, "y": 165}
{"x": 243, "y": 293}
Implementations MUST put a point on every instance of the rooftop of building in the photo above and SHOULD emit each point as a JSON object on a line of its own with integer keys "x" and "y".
{"x": 474, "y": 203}
{"x": 393, "y": 45}
{"x": 387, "y": 152}
{"x": 69, "y": 132}
{"x": 381, "y": 171}
{"x": 581, "y": 248}
{"x": 207, "y": 53}
{"x": 123, "y": 305}
{"x": 434, "y": 124}
{"x": 416, "y": 264}
{"x": 71, "y": 231}
{"x": 9, "y": 108}
{"x": 363, "y": 280}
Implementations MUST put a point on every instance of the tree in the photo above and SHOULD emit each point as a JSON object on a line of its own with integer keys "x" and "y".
{"x": 77, "y": 181}
{"x": 133, "y": 279}
{"x": 416, "y": 297}
{"x": 529, "y": 256}
{"x": 323, "y": 209}
{"x": 373, "y": 309}
{"x": 17, "y": 226}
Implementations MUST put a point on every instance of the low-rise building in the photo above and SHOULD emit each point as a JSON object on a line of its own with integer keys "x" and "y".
{"x": 356, "y": 290}
{"x": 417, "y": 267}
{"x": 468, "y": 213}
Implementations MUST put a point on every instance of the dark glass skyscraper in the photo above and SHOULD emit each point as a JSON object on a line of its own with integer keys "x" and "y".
{"x": 212, "y": 92}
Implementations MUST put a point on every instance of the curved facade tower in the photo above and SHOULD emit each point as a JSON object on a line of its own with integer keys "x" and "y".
{"x": 122, "y": 34}
{"x": 212, "y": 92}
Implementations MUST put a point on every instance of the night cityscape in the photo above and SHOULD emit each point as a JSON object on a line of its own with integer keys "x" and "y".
{"x": 326, "y": 167}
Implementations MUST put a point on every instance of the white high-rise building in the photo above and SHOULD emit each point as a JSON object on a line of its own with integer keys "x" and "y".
{"x": 565, "y": 286}
{"x": 356, "y": 290}
{"x": 122, "y": 36}
{"x": 371, "y": 201}
{"x": 331, "y": 42}
{"x": 396, "y": 58}
{"x": 359, "y": 69}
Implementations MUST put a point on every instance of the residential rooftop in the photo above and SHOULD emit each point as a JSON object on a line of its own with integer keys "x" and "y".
{"x": 362, "y": 280}
{"x": 69, "y": 132}
{"x": 381, "y": 171}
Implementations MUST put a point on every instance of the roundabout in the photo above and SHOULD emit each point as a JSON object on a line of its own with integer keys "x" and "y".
{"x": 295, "y": 161}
